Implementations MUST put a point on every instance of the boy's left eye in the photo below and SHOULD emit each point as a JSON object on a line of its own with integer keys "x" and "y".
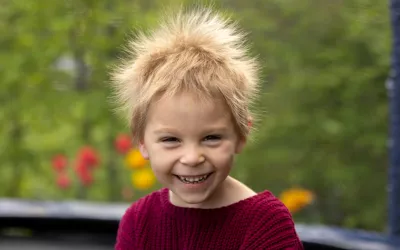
{"x": 212, "y": 137}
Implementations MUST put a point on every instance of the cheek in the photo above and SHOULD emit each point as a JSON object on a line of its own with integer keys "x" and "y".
{"x": 161, "y": 160}
{"x": 223, "y": 156}
{"x": 161, "y": 168}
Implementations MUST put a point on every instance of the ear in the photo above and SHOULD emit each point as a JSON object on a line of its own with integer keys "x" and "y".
{"x": 240, "y": 144}
{"x": 250, "y": 122}
{"x": 143, "y": 150}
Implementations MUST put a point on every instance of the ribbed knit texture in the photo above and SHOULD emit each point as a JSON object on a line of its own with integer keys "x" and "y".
{"x": 259, "y": 222}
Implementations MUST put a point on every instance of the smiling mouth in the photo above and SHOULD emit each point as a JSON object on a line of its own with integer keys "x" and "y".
{"x": 193, "y": 179}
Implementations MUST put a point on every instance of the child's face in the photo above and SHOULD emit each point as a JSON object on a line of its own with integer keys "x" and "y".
{"x": 191, "y": 146}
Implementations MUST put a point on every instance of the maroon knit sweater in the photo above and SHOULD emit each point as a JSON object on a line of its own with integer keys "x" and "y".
{"x": 259, "y": 222}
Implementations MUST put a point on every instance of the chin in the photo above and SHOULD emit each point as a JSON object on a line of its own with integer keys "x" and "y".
{"x": 193, "y": 200}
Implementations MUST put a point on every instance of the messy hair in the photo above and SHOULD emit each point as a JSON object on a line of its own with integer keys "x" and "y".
{"x": 198, "y": 51}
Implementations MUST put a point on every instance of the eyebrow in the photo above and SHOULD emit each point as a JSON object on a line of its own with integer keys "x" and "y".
{"x": 164, "y": 130}
{"x": 167, "y": 130}
{"x": 216, "y": 129}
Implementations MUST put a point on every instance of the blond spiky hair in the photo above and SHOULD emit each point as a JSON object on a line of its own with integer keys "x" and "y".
{"x": 197, "y": 51}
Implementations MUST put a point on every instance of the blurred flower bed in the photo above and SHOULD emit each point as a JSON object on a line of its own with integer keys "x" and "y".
{"x": 88, "y": 159}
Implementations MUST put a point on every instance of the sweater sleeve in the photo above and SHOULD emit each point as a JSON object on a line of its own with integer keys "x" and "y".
{"x": 272, "y": 228}
{"x": 125, "y": 234}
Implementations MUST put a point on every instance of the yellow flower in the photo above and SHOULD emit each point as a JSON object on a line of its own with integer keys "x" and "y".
{"x": 143, "y": 179}
{"x": 296, "y": 198}
{"x": 134, "y": 159}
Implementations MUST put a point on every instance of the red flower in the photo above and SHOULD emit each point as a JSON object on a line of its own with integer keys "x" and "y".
{"x": 59, "y": 162}
{"x": 122, "y": 143}
{"x": 83, "y": 173}
{"x": 63, "y": 181}
{"x": 88, "y": 156}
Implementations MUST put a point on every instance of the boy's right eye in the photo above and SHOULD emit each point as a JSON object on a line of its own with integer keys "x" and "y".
{"x": 169, "y": 139}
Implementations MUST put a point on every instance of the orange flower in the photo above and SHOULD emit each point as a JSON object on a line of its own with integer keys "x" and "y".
{"x": 134, "y": 159}
{"x": 143, "y": 179}
{"x": 296, "y": 198}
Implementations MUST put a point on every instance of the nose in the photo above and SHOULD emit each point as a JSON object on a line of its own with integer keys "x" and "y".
{"x": 192, "y": 156}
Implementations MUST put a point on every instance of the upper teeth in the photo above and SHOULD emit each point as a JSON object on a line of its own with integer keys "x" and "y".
{"x": 193, "y": 179}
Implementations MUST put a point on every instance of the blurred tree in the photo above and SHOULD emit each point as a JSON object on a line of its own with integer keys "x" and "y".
{"x": 325, "y": 124}
{"x": 54, "y": 92}
{"x": 325, "y": 66}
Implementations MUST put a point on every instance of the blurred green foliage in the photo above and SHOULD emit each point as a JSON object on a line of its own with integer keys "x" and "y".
{"x": 324, "y": 105}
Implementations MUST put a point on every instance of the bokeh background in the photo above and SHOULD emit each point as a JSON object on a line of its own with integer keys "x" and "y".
{"x": 321, "y": 145}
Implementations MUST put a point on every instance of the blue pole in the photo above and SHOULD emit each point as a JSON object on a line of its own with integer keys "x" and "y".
{"x": 394, "y": 112}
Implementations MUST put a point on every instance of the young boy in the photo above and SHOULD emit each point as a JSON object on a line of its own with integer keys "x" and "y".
{"x": 187, "y": 88}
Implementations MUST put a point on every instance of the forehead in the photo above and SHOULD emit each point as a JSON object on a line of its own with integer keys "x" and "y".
{"x": 187, "y": 109}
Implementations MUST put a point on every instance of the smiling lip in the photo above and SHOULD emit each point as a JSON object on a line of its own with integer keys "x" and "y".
{"x": 194, "y": 180}
{"x": 192, "y": 176}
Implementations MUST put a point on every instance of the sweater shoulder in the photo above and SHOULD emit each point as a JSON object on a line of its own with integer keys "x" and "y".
{"x": 268, "y": 206}
{"x": 267, "y": 211}
{"x": 139, "y": 211}
{"x": 144, "y": 204}
{"x": 133, "y": 218}
{"x": 272, "y": 226}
